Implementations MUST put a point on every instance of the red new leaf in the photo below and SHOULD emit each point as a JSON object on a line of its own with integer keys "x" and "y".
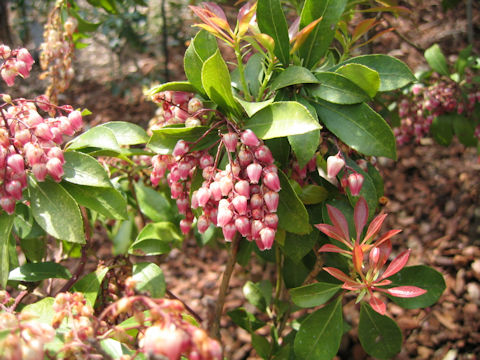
{"x": 406, "y": 291}
{"x": 374, "y": 227}
{"x": 360, "y": 216}
{"x": 333, "y": 232}
{"x": 339, "y": 221}
{"x": 396, "y": 265}
{"x": 340, "y": 275}
{"x": 377, "y": 305}
{"x": 333, "y": 248}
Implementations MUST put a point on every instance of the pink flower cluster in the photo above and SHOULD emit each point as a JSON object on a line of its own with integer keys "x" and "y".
{"x": 418, "y": 110}
{"x": 15, "y": 62}
{"x": 30, "y": 141}
{"x": 351, "y": 179}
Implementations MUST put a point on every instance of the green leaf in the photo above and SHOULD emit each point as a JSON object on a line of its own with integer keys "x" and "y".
{"x": 294, "y": 274}
{"x": 42, "y": 310}
{"x": 282, "y": 118}
{"x": 34, "y": 248}
{"x": 337, "y": 89}
{"x": 379, "y": 335}
{"x": 393, "y": 73}
{"x": 293, "y": 75}
{"x": 200, "y": 49}
{"x": 437, "y": 60}
{"x": 123, "y": 235}
{"x": 254, "y": 295}
{"x": 254, "y": 73}
{"x": 39, "y": 271}
{"x": 253, "y": 107}
{"x": 23, "y": 222}
{"x": 163, "y": 140}
{"x": 115, "y": 348}
{"x": 89, "y": 285}
{"x": 6, "y": 224}
{"x": 83, "y": 169}
{"x": 364, "y": 77}
{"x": 297, "y": 246}
{"x": 217, "y": 84}
{"x": 292, "y": 215}
{"x": 317, "y": 43}
{"x": 313, "y": 194}
{"x": 271, "y": 21}
{"x": 99, "y": 137}
{"x": 442, "y": 129}
{"x": 127, "y": 133}
{"x": 171, "y": 86}
{"x": 313, "y": 294}
{"x": 56, "y": 211}
{"x": 149, "y": 277}
{"x": 465, "y": 130}
{"x": 155, "y": 239}
{"x": 359, "y": 127}
{"x": 424, "y": 277}
{"x": 261, "y": 345}
{"x": 304, "y": 146}
{"x": 153, "y": 203}
{"x": 245, "y": 320}
{"x": 107, "y": 201}
{"x": 320, "y": 333}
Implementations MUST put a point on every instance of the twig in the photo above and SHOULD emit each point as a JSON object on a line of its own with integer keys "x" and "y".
{"x": 317, "y": 267}
{"x": 189, "y": 309}
{"x": 18, "y": 300}
{"x": 227, "y": 274}
{"x": 404, "y": 38}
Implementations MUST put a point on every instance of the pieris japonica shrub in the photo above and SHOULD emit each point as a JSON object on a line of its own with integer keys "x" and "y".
{"x": 272, "y": 158}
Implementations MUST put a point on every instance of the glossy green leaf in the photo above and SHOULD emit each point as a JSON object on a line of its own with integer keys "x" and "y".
{"x": 42, "y": 310}
{"x": 99, "y": 137}
{"x": 123, "y": 235}
{"x": 89, "y": 285}
{"x": 292, "y": 215}
{"x": 252, "y": 108}
{"x": 320, "y": 333}
{"x": 425, "y": 278}
{"x": 442, "y": 129}
{"x": 245, "y": 320}
{"x": 317, "y": 43}
{"x": 261, "y": 345}
{"x": 163, "y": 140}
{"x": 153, "y": 203}
{"x": 34, "y": 249}
{"x": 39, "y": 271}
{"x": 293, "y": 75}
{"x": 297, "y": 246}
{"x": 115, "y": 349}
{"x": 149, "y": 277}
{"x": 23, "y": 221}
{"x": 313, "y": 294}
{"x": 313, "y": 194}
{"x": 377, "y": 179}
{"x": 56, "y": 211}
{"x": 282, "y": 118}
{"x": 200, "y": 49}
{"x": 254, "y": 295}
{"x": 6, "y": 224}
{"x": 271, "y": 21}
{"x": 127, "y": 133}
{"x": 172, "y": 86}
{"x": 254, "y": 73}
{"x": 437, "y": 60}
{"x": 304, "y": 146}
{"x": 393, "y": 73}
{"x": 379, "y": 335}
{"x": 83, "y": 169}
{"x": 107, "y": 201}
{"x": 337, "y": 89}
{"x": 465, "y": 130}
{"x": 359, "y": 127}
{"x": 293, "y": 273}
{"x": 217, "y": 84}
{"x": 155, "y": 239}
{"x": 364, "y": 77}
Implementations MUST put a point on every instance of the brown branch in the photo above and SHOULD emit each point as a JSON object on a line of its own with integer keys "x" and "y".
{"x": 188, "y": 308}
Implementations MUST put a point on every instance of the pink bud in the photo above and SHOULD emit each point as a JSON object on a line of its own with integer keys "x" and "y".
{"x": 255, "y": 189}
{"x": 334, "y": 165}
{"x": 176, "y": 190}
{"x": 181, "y": 148}
{"x": 180, "y": 115}
{"x": 355, "y": 182}
{"x": 249, "y": 138}
{"x": 22, "y": 68}
{"x": 213, "y": 214}
{"x": 160, "y": 342}
{"x": 15, "y": 161}
{"x": 8, "y": 75}
{"x": 57, "y": 135}
{"x": 205, "y": 160}
{"x": 244, "y": 157}
{"x": 185, "y": 226}
{"x": 270, "y": 168}
{"x": 257, "y": 226}
{"x": 56, "y": 152}
{"x": 242, "y": 187}
{"x": 229, "y": 230}
{"x": 65, "y": 126}
{"x": 76, "y": 121}
{"x": 272, "y": 181}
{"x": 40, "y": 171}
{"x": 5, "y": 51}
{"x": 202, "y": 224}
{"x": 267, "y": 236}
{"x": 263, "y": 154}
{"x": 224, "y": 216}
{"x": 14, "y": 188}
{"x": 183, "y": 205}
{"x": 25, "y": 56}
{"x": 271, "y": 200}
{"x": 180, "y": 97}
{"x": 43, "y": 131}
{"x": 257, "y": 214}
{"x": 243, "y": 225}
{"x": 194, "y": 104}
{"x": 256, "y": 201}
{"x": 183, "y": 169}
{"x": 55, "y": 169}
{"x": 8, "y": 204}
{"x": 215, "y": 191}
{"x": 203, "y": 195}
{"x": 225, "y": 185}
{"x": 240, "y": 204}
{"x": 254, "y": 171}
{"x": 23, "y": 136}
{"x": 230, "y": 140}
{"x": 271, "y": 220}
{"x": 224, "y": 204}
{"x": 194, "y": 200}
